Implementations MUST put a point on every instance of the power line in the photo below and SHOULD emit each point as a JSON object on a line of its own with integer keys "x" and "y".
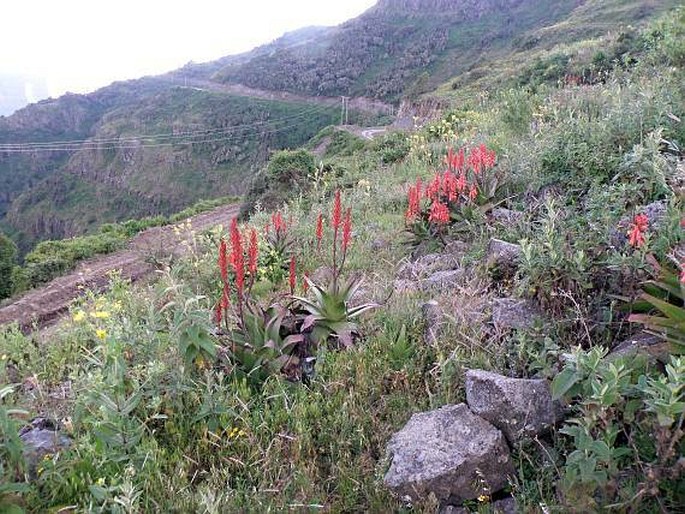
{"x": 207, "y": 138}
{"x": 117, "y": 142}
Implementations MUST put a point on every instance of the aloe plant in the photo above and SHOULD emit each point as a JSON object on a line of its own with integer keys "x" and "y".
{"x": 329, "y": 314}
{"x": 262, "y": 344}
{"x": 665, "y": 294}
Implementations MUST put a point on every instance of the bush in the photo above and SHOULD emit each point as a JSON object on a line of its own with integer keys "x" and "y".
{"x": 8, "y": 256}
{"x": 287, "y": 173}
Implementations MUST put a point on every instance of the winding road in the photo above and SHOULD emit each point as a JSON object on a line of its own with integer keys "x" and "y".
{"x": 42, "y": 307}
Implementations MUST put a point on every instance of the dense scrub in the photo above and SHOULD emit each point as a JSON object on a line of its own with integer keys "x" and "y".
{"x": 164, "y": 417}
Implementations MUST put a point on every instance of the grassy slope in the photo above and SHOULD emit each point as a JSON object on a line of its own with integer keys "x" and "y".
{"x": 97, "y": 186}
{"x": 208, "y": 443}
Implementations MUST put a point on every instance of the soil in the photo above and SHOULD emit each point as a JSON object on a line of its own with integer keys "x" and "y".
{"x": 43, "y": 307}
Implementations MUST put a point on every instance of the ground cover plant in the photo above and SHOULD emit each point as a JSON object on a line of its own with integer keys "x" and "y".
{"x": 242, "y": 379}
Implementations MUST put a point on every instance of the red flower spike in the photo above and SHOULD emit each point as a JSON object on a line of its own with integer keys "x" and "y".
{"x": 439, "y": 213}
{"x": 347, "y": 229}
{"x": 237, "y": 258}
{"x": 636, "y": 235}
{"x": 336, "y": 219}
{"x": 292, "y": 278}
{"x": 473, "y": 193}
{"x": 319, "y": 230}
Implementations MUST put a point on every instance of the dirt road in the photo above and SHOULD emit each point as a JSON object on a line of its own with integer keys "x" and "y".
{"x": 45, "y": 305}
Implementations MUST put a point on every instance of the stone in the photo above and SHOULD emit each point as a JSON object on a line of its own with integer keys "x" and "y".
{"x": 42, "y": 437}
{"x": 443, "y": 280}
{"x": 433, "y": 318}
{"x": 506, "y": 217}
{"x": 427, "y": 265}
{"x": 450, "y": 453}
{"x": 506, "y": 505}
{"x": 503, "y": 254}
{"x": 643, "y": 343}
{"x": 515, "y": 313}
{"x": 520, "y": 408}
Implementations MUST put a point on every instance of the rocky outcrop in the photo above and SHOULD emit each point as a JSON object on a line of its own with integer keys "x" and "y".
{"x": 42, "y": 437}
{"x": 449, "y": 452}
{"x": 520, "y": 408}
{"x": 503, "y": 254}
{"x": 515, "y": 313}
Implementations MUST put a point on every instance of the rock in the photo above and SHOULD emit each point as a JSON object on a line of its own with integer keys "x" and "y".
{"x": 433, "y": 318}
{"x": 427, "y": 265}
{"x": 449, "y": 452}
{"x": 452, "y": 509}
{"x": 515, "y": 313}
{"x": 42, "y": 437}
{"x": 520, "y": 408}
{"x": 503, "y": 254}
{"x": 379, "y": 244}
{"x": 506, "y": 217}
{"x": 442, "y": 280}
{"x": 505, "y": 506}
{"x": 645, "y": 344}
{"x": 405, "y": 286}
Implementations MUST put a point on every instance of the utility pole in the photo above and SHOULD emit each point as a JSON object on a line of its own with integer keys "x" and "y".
{"x": 345, "y": 113}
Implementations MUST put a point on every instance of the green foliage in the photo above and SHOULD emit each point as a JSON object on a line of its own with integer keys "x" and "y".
{"x": 286, "y": 174}
{"x": 331, "y": 315}
{"x": 8, "y": 256}
{"x": 392, "y": 148}
{"x": 12, "y": 465}
{"x": 666, "y": 295}
{"x": 626, "y": 417}
{"x": 264, "y": 343}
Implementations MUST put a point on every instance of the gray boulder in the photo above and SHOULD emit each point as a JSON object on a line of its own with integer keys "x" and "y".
{"x": 502, "y": 254}
{"x": 449, "y": 452}
{"x": 515, "y": 313}
{"x": 505, "y": 217}
{"x": 504, "y": 506}
{"x": 443, "y": 280}
{"x": 643, "y": 343}
{"x": 434, "y": 320}
{"x": 42, "y": 437}
{"x": 520, "y": 408}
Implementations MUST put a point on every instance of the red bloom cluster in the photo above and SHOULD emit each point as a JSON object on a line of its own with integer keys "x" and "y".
{"x": 636, "y": 235}
{"x": 278, "y": 223}
{"x": 236, "y": 260}
{"x": 439, "y": 213}
{"x": 319, "y": 231}
{"x": 459, "y": 180}
{"x": 347, "y": 229}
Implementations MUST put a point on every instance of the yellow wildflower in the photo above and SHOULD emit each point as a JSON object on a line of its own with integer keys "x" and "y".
{"x": 101, "y": 334}
{"x": 3, "y": 357}
{"x": 483, "y": 498}
{"x": 79, "y": 316}
{"x": 99, "y": 314}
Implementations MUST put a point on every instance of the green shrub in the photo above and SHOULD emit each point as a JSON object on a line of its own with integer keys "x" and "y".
{"x": 286, "y": 174}
{"x": 8, "y": 256}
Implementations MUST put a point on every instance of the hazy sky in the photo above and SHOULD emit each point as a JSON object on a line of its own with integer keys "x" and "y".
{"x": 80, "y": 45}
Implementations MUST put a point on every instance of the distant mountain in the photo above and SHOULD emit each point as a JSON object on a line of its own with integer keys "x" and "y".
{"x": 17, "y": 91}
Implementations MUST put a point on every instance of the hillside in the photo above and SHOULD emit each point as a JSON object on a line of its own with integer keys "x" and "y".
{"x": 148, "y": 146}
{"x": 484, "y": 314}
{"x": 408, "y": 47}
